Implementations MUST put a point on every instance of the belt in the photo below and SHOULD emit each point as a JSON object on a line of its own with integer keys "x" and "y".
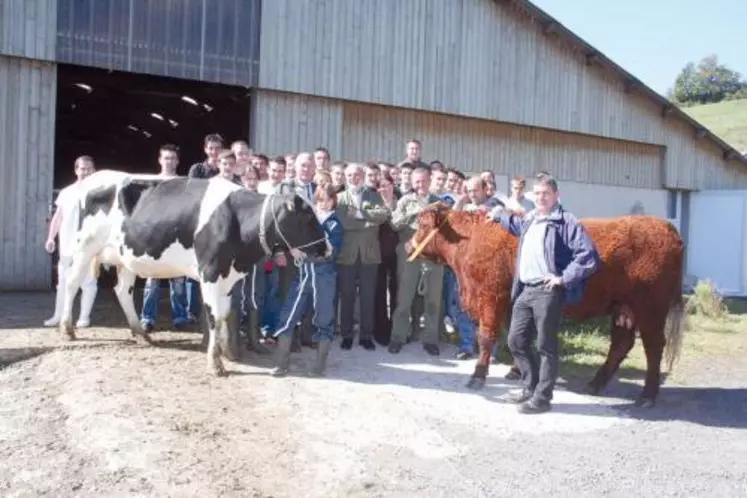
{"x": 533, "y": 284}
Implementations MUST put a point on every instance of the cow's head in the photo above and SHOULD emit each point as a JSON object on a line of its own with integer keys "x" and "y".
{"x": 299, "y": 227}
{"x": 431, "y": 221}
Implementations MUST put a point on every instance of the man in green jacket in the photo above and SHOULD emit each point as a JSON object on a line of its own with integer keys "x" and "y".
{"x": 418, "y": 277}
{"x": 361, "y": 211}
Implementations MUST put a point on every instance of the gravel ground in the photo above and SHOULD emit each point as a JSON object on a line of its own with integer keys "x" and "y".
{"x": 105, "y": 417}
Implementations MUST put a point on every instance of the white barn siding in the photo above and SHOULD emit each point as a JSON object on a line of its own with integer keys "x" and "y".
{"x": 284, "y": 123}
{"x": 28, "y": 28}
{"x": 27, "y": 100}
{"x": 478, "y": 58}
{"x": 376, "y": 132}
{"x": 354, "y": 131}
{"x": 603, "y": 201}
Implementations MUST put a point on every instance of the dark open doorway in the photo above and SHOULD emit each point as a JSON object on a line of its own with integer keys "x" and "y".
{"x": 120, "y": 119}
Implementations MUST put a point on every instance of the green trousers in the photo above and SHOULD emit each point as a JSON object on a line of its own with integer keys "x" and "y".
{"x": 409, "y": 276}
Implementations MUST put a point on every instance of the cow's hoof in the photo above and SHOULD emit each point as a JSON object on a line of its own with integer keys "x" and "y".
{"x": 591, "y": 389}
{"x": 67, "y": 332}
{"x": 644, "y": 402}
{"x": 476, "y": 383}
{"x": 218, "y": 370}
{"x": 143, "y": 339}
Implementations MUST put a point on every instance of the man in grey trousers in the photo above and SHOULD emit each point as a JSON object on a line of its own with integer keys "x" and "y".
{"x": 361, "y": 211}
{"x": 554, "y": 259}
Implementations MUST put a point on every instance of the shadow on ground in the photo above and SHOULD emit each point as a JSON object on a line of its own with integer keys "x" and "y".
{"x": 707, "y": 406}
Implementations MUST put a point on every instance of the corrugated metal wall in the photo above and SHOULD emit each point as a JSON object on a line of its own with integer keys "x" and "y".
{"x": 27, "y": 100}
{"x": 470, "y": 144}
{"x": 477, "y": 58}
{"x": 283, "y": 123}
{"x": 354, "y": 131}
{"x": 28, "y": 27}
{"x": 208, "y": 40}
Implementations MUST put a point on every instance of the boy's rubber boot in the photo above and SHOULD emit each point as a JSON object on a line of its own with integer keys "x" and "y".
{"x": 282, "y": 356}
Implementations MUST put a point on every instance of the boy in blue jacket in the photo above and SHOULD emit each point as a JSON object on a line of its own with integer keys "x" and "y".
{"x": 315, "y": 284}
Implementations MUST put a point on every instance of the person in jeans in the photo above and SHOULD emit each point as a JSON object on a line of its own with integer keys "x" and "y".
{"x": 168, "y": 160}
{"x": 213, "y": 145}
{"x": 554, "y": 259}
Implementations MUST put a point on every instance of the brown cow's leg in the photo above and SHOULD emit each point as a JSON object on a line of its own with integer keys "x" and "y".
{"x": 652, "y": 336}
{"x": 622, "y": 341}
{"x": 485, "y": 344}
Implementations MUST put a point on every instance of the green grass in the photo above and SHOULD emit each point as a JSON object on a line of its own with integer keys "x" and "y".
{"x": 584, "y": 346}
{"x": 727, "y": 119}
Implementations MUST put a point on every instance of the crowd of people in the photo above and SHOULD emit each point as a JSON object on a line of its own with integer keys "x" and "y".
{"x": 368, "y": 211}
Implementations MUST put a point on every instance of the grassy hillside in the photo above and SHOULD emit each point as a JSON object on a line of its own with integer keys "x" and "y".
{"x": 726, "y": 119}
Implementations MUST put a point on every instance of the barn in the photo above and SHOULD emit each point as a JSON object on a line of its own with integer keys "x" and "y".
{"x": 484, "y": 84}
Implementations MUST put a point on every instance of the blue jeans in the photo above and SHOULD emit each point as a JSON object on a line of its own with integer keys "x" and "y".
{"x": 462, "y": 321}
{"x": 260, "y": 290}
{"x": 193, "y": 298}
{"x": 177, "y": 296}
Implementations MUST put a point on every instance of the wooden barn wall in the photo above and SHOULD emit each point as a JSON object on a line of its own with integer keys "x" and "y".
{"x": 283, "y": 123}
{"x": 27, "y": 100}
{"x": 27, "y": 28}
{"x": 478, "y": 58}
{"x": 353, "y": 131}
{"x": 206, "y": 40}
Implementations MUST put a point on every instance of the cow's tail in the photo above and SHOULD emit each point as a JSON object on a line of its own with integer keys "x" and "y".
{"x": 673, "y": 332}
{"x": 676, "y": 317}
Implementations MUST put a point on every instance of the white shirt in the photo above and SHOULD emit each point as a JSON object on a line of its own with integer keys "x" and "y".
{"x": 357, "y": 193}
{"x": 68, "y": 206}
{"x": 266, "y": 187}
{"x": 523, "y": 205}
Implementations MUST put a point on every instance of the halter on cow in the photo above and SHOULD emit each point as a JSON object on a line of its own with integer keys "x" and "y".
{"x": 213, "y": 231}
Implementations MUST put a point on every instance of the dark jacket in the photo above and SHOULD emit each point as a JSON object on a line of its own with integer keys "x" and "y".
{"x": 295, "y": 187}
{"x": 334, "y": 234}
{"x": 388, "y": 237}
{"x": 570, "y": 252}
{"x": 202, "y": 170}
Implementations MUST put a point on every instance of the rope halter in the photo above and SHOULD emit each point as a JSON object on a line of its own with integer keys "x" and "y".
{"x": 270, "y": 202}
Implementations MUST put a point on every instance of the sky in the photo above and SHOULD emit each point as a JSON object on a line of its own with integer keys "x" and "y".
{"x": 654, "y": 39}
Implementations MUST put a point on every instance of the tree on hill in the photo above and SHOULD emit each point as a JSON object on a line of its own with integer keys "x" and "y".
{"x": 707, "y": 82}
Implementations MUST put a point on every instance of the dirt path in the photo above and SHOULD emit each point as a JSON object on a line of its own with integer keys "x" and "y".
{"x": 104, "y": 417}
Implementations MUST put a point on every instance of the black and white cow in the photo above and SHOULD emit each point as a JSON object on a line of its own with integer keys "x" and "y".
{"x": 210, "y": 230}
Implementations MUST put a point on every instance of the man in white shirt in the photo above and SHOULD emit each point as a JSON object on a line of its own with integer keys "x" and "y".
{"x": 64, "y": 223}
{"x": 276, "y": 173}
{"x": 518, "y": 202}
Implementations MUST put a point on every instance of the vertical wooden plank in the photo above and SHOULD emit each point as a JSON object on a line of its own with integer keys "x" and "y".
{"x": 27, "y": 95}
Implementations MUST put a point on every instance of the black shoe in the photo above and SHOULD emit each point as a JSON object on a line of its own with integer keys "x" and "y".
{"x": 518, "y": 396}
{"x": 431, "y": 349}
{"x": 395, "y": 347}
{"x": 534, "y": 406}
{"x": 346, "y": 344}
{"x": 513, "y": 374}
{"x": 367, "y": 344}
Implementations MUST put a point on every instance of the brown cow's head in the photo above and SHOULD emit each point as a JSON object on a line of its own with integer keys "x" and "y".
{"x": 431, "y": 221}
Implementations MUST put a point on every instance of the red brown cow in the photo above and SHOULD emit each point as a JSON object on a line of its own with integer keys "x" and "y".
{"x": 638, "y": 284}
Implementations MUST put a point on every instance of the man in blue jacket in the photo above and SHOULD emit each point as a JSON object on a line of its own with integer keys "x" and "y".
{"x": 315, "y": 284}
{"x": 554, "y": 259}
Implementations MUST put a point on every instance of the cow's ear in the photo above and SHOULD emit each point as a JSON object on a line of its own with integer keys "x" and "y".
{"x": 290, "y": 205}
